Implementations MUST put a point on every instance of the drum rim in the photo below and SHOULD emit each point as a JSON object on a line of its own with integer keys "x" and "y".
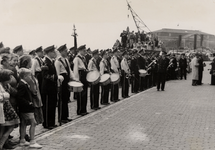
{"x": 91, "y": 73}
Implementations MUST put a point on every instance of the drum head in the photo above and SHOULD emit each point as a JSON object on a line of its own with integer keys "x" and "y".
{"x": 93, "y": 76}
{"x": 75, "y": 84}
{"x": 142, "y": 71}
{"x": 104, "y": 77}
{"x": 114, "y": 77}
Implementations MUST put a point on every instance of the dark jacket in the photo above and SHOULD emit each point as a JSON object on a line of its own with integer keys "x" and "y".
{"x": 134, "y": 66}
{"x": 183, "y": 63}
{"x": 162, "y": 65}
{"x": 141, "y": 62}
{"x": 24, "y": 98}
{"x": 49, "y": 83}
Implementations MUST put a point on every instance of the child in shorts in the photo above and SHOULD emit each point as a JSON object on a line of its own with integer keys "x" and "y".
{"x": 26, "y": 109}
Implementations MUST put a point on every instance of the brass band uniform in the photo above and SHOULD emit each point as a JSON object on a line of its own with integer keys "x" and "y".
{"x": 104, "y": 68}
{"x": 141, "y": 65}
{"x": 115, "y": 66}
{"x": 126, "y": 74}
{"x": 94, "y": 89}
{"x": 49, "y": 88}
{"x": 63, "y": 69}
{"x": 135, "y": 72}
{"x": 80, "y": 73}
{"x": 37, "y": 66}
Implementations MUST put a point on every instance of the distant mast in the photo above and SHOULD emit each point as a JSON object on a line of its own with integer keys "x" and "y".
{"x": 75, "y": 37}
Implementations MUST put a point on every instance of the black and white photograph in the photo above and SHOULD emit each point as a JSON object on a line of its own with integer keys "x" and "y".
{"x": 107, "y": 74}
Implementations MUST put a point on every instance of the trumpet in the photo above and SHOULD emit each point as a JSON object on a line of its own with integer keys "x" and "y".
{"x": 149, "y": 66}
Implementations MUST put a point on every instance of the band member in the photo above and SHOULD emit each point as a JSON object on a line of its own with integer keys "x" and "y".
{"x": 135, "y": 73}
{"x": 49, "y": 88}
{"x": 126, "y": 74}
{"x": 37, "y": 66}
{"x": 163, "y": 63}
{"x": 18, "y": 50}
{"x": 71, "y": 56}
{"x": 104, "y": 68}
{"x": 116, "y": 69}
{"x": 183, "y": 66}
{"x": 63, "y": 68}
{"x": 80, "y": 73}
{"x": 94, "y": 89}
{"x": 141, "y": 62}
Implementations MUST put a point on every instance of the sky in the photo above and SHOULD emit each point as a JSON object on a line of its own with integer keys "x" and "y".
{"x": 34, "y": 23}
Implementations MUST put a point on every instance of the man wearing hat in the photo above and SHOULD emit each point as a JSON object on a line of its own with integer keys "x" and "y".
{"x": 18, "y": 50}
{"x": 32, "y": 53}
{"x": 72, "y": 53}
{"x": 115, "y": 66}
{"x": 183, "y": 66}
{"x": 88, "y": 55}
{"x": 94, "y": 89}
{"x": 141, "y": 62}
{"x": 63, "y": 68}
{"x": 49, "y": 88}
{"x": 126, "y": 74}
{"x": 135, "y": 73}
{"x": 104, "y": 69}
{"x": 37, "y": 65}
{"x": 163, "y": 63}
{"x": 201, "y": 68}
{"x": 80, "y": 73}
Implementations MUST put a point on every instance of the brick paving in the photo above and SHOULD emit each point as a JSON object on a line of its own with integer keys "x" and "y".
{"x": 180, "y": 118}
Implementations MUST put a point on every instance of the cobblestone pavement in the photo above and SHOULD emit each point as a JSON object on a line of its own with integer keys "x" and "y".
{"x": 180, "y": 118}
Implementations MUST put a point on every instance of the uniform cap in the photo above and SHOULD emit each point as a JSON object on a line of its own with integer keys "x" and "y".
{"x": 39, "y": 49}
{"x": 83, "y": 47}
{"x": 95, "y": 52}
{"x": 62, "y": 48}
{"x": 49, "y": 49}
{"x": 103, "y": 53}
{"x": 32, "y": 52}
{"x": 18, "y": 48}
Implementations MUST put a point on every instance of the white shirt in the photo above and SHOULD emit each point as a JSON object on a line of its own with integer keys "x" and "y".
{"x": 92, "y": 65}
{"x": 35, "y": 65}
{"x": 114, "y": 64}
{"x": 124, "y": 65}
{"x": 60, "y": 68}
{"x": 78, "y": 65}
{"x": 102, "y": 66}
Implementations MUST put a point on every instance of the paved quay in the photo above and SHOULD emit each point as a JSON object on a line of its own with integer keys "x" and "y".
{"x": 180, "y": 118}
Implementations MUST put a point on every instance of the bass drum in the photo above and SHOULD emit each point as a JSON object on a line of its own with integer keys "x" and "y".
{"x": 105, "y": 79}
{"x": 143, "y": 73}
{"x": 75, "y": 86}
{"x": 115, "y": 78}
{"x": 93, "y": 77}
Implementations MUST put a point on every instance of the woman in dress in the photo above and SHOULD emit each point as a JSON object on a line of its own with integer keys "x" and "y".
{"x": 11, "y": 117}
{"x": 26, "y": 62}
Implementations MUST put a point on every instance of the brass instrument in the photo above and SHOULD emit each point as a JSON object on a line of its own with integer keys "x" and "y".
{"x": 149, "y": 66}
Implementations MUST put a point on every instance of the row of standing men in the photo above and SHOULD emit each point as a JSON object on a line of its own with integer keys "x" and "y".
{"x": 48, "y": 69}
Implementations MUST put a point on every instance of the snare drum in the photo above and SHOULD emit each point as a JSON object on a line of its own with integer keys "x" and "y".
{"x": 115, "y": 78}
{"x": 75, "y": 86}
{"x": 143, "y": 73}
{"x": 93, "y": 77}
{"x": 105, "y": 79}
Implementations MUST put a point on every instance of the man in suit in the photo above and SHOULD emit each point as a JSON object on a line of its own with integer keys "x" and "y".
{"x": 135, "y": 72}
{"x": 80, "y": 73}
{"x": 49, "y": 88}
{"x": 183, "y": 66}
{"x": 141, "y": 62}
{"x": 126, "y": 74}
{"x": 94, "y": 89}
{"x": 163, "y": 63}
{"x": 63, "y": 69}
{"x": 201, "y": 69}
